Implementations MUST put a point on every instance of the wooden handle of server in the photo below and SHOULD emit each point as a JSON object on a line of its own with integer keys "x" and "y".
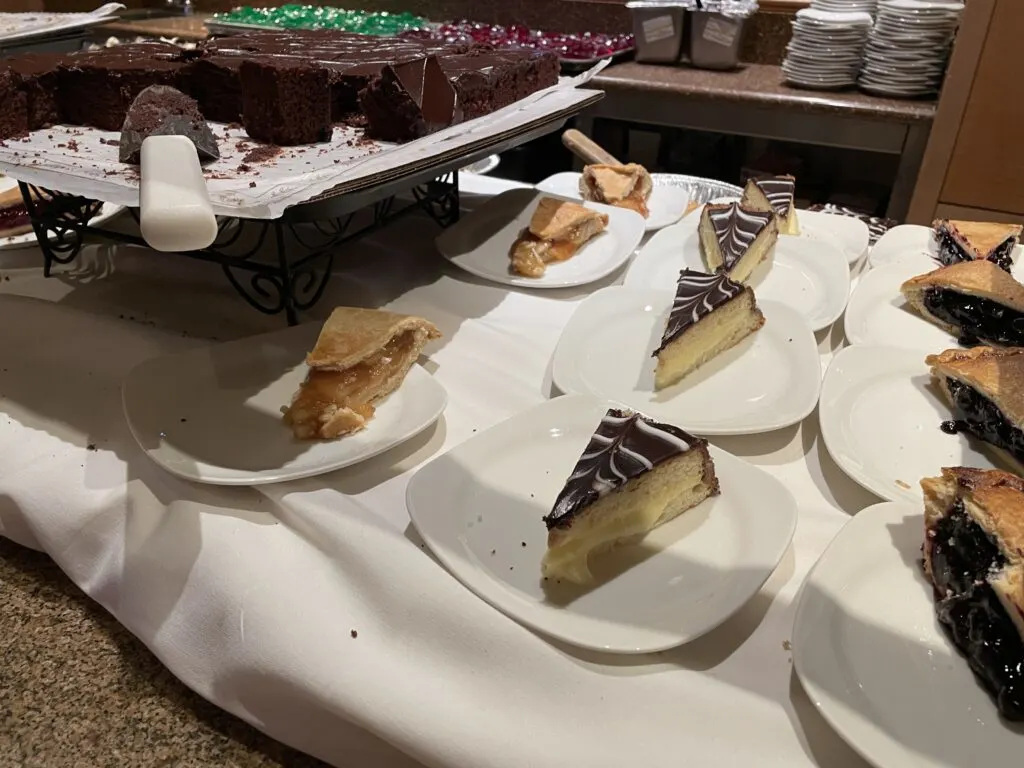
{"x": 586, "y": 149}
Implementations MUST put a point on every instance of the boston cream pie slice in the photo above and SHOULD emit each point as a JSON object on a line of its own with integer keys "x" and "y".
{"x": 710, "y": 314}
{"x": 558, "y": 229}
{"x": 973, "y": 300}
{"x": 624, "y": 186}
{"x": 985, "y": 388}
{"x": 361, "y": 356}
{"x": 634, "y": 475}
{"x": 974, "y": 557}
{"x": 968, "y": 240}
{"x": 774, "y": 194}
{"x": 735, "y": 239}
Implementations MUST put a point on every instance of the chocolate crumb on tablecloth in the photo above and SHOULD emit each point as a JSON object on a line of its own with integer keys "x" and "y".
{"x": 252, "y": 184}
{"x": 243, "y": 168}
{"x": 354, "y": 634}
{"x": 262, "y": 152}
{"x": 91, "y": 447}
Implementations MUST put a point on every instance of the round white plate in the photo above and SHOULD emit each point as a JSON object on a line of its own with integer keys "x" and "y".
{"x": 875, "y": 661}
{"x": 878, "y": 313}
{"x": 769, "y": 380}
{"x": 812, "y": 276}
{"x": 214, "y": 415}
{"x": 482, "y": 167}
{"x": 481, "y": 240}
{"x": 880, "y": 416}
{"x": 667, "y": 204}
{"x": 479, "y": 509}
{"x": 914, "y": 242}
{"x": 851, "y": 234}
{"x": 107, "y": 212}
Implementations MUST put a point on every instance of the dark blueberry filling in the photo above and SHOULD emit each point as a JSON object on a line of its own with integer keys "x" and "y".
{"x": 1002, "y": 255}
{"x": 979, "y": 416}
{"x": 950, "y": 252}
{"x": 977, "y": 318}
{"x": 962, "y": 556}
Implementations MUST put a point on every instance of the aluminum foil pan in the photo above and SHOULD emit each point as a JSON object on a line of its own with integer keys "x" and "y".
{"x": 701, "y": 190}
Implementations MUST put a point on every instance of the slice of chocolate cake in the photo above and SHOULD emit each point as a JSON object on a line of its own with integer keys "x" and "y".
{"x": 710, "y": 314}
{"x": 37, "y": 78}
{"x": 410, "y": 100}
{"x": 735, "y": 239}
{"x": 285, "y": 102}
{"x": 215, "y": 83}
{"x": 13, "y": 107}
{"x": 634, "y": 475}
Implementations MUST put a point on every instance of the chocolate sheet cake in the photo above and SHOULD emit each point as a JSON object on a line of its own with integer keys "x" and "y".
{"x": 294, "y": 79}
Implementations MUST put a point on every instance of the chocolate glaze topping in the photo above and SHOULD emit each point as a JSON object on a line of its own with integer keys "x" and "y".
{"x": 736, "y": 228}
{"x": 697, "y": 294}
{"x": 779, "y": 191}
{"x": 626, "y": 445}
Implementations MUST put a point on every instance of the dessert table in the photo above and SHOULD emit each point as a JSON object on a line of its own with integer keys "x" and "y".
{"x": 311, "y": 609}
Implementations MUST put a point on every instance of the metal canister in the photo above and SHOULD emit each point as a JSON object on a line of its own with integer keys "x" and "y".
{"x": 716, "y": 32}
{"x": 659, "y": 26}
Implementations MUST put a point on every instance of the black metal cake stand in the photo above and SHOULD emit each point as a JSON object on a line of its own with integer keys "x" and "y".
{"x": 305, "y": 240}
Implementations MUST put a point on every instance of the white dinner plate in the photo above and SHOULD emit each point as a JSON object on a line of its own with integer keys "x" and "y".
{"x": 878, "y": 313}
{"x": 107, "y": 212}
{"x": 479, "y": 509}
{"x": 812, "y": 276}
{"x": 872, "y": 656}
{"x": 214, "y": 415}
{"x": 880, "y": 417}
{"x": 852, "y": 234}
{"x": 667, "y": 203}
{"x": 769, "y": 380}
{"x": 481, "y": 240}
{"x": 912, "y": 241}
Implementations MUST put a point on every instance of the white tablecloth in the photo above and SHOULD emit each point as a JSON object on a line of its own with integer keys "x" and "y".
{"x": 253, "y": 597}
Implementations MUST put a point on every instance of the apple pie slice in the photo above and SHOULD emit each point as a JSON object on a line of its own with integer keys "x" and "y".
{"x": 558, "y": 229}
{"x": 361, "y": 356}
{"x": 624, "y": 186}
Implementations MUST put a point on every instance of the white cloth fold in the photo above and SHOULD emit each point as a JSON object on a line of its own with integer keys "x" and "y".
{"x": 311, "y": 609}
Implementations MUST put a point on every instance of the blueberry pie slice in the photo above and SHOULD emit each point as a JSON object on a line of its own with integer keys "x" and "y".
{"x": 974, "y": 556}
{"x": 976, "y": 301}
{"x": 969, "y": 240}
{"x": 985, "y": 387}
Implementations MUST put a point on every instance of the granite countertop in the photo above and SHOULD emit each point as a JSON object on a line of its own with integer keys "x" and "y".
{"x": 760, "y": 84}
{"x": 77, "y": 689}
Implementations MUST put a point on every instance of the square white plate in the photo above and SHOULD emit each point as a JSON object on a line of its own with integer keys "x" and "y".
{"x": 769, "y": 380}
{"x": 479, "y": 509}
{"x": 480, "y": 242}
{"x": 915, "y": 242}
{"x": 878, "y": 313}
{"x": 810, "y": 274}
{"x": 667, "y": 204}
{"x": 880, "y": 417}
{"x": 875, "y": 661}
{"x": 214, "y": 415}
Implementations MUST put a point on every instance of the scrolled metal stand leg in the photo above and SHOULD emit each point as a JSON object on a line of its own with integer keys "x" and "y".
{"x": 58, "y": 221}
{"x": 439, "y": 199}
{"x": 287, "y": 283}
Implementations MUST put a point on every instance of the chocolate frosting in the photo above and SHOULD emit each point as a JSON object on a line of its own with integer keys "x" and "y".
{"x": 430, "y": 90}
{"x": 736, "y": 228}
{"x": 626, "y": 445}
{"x": 779, "y": 191}
{"x": 697, "y": 294}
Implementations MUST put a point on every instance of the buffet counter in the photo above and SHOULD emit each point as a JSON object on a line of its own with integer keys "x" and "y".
{"x": 754, "y": 101}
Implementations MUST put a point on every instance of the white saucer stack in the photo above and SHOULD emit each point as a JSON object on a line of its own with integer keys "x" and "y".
{"x": 826, "y": 47}
{"x": 845, "y": 6}
{"x": 908, "y": 49}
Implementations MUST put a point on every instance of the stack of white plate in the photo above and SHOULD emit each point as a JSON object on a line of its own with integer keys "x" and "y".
{"x": 908, "y": 49}
{"x": 845, "y": 6}
{"x": 825, "y": 49}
